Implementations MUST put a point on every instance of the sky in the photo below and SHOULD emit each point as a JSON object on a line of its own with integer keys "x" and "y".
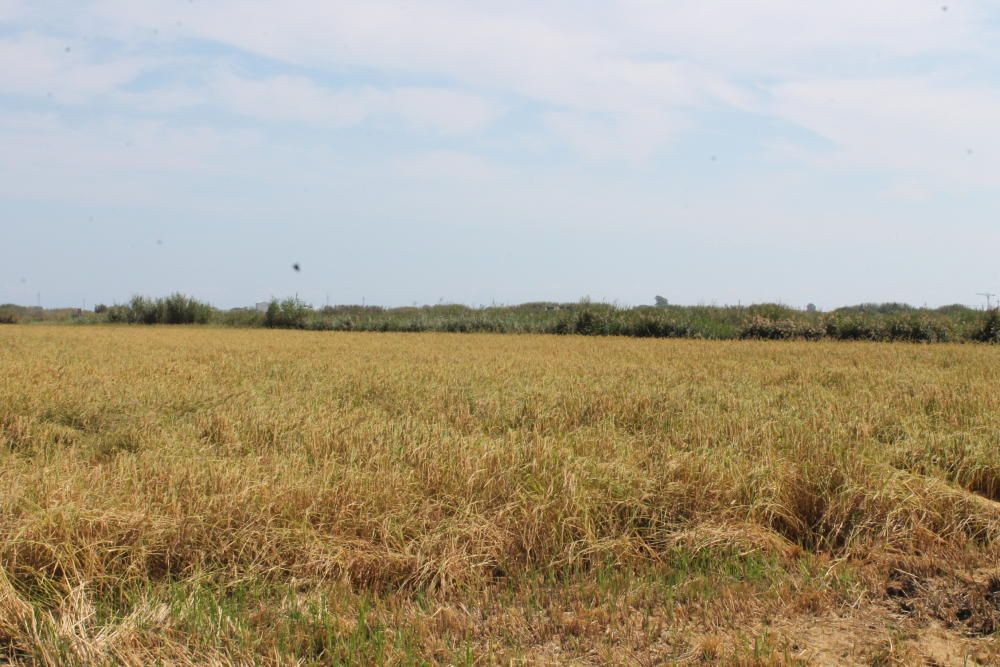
{"x": 710, "y": 151}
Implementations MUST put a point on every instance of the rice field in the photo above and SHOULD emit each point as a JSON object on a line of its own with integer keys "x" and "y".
{"x": 188, "y": 495}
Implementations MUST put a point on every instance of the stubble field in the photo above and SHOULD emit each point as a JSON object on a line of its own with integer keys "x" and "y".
{"x": 207, "y": 496}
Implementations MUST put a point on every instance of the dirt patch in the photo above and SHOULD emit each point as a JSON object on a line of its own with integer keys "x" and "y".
{"x": 873, "y": 637}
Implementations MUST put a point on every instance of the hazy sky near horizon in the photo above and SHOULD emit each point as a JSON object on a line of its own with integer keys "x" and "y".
{"x": 711, "y": 151}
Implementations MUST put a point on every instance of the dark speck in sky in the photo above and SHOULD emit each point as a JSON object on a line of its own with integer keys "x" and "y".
{"x": 296, "y": 266}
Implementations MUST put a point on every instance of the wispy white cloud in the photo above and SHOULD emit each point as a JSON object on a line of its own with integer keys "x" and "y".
{"x": 615, "y": 80}
{"x": 45, "y": 67}
{"x": 302, "y": 100}
{"x": 113, "y": 160}
{"x": 519, "y": 42}
{"x": 66, "y": 71}
{"x": 297, "y": 98}
{"x": 439, "y": 167}
{"x": 774, "y": 38}
{"x": 923, "y": 130}
{"x": 635, "y": 136}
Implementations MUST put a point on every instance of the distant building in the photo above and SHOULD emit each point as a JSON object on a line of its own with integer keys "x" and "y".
{"x": 261, "y": 306}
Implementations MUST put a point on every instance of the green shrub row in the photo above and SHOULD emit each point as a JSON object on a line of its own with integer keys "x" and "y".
{"x": 914, "y": 328}
{"x": 872, "y": 322}
{"x": 174, "y": 309}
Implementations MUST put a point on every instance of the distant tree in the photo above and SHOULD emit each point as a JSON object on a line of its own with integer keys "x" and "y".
{"x": 287, "y": 314}
{"x": 661, "y": 302}
{"x": 8, "y": 315}
{"x": 990, "y": 332}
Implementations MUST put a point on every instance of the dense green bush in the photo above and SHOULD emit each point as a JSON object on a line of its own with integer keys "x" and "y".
{"x": 9, "y": 315}
{"x": 842, "y": 326}
{"x": 287, "y": 314}
{"x": 589, "y": 324}
{"x": 877, "y": 309}
{"x": 990, "y": 332}
{"x": 920, "y": 329}
{"x": 180, "y": 309}
{"x": 241, "y": 317}
{"x": 784, "y": 329}
{"x": 772, "y": 311}
{"x": 174, "y": 309}
{"x": 117, "y": 314}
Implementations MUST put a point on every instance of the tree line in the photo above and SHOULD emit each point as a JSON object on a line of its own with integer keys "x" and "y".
{"x": 874, "y": 322}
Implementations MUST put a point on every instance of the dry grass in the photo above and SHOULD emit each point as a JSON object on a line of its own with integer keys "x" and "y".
{"x": 237, "y": 497}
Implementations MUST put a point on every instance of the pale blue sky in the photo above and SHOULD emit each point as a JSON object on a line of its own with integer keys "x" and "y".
{"x": 706, "y": 150}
